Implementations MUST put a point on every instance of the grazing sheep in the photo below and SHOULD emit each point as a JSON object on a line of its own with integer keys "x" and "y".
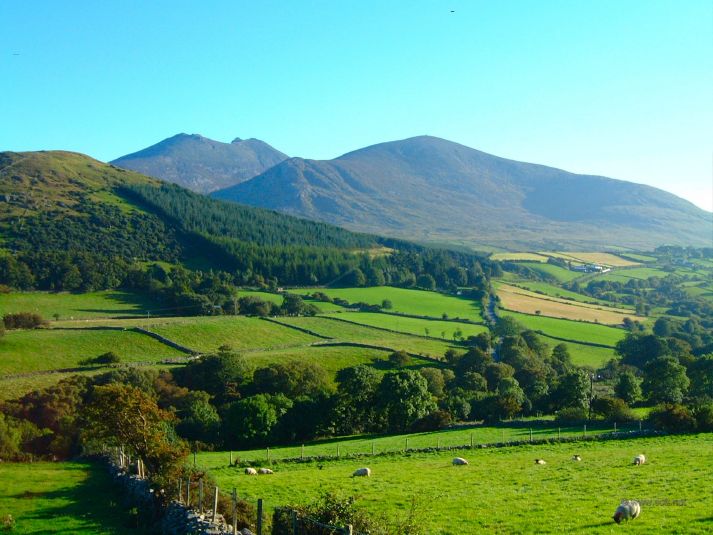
{"x": 540, "y": 461}
{"x": 362, "y": 472}
{"x": 265, "y": 471}
{"x": 576, "y": 458}
{"x": 628, "y": 510}
{"x": 250, "y": 471}
{"x": 639, "y": 459}
{"x": 459, "y": 461}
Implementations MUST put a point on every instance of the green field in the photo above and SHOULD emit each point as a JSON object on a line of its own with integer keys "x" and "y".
{"x": 504, "y": 491}
{"x": 571, "y": 330}
{"x": 111, "y": 303}
{"x": 435, "y": 328}
{"x": 64, "y": 498}
{"x": 623, "y": 275}
{"x": 416, "y": 302}
{"x": 559, "y": 273}
{"x": 584, "y": 355}
{"x": 348, "y": 332}
{"x": 52, "y": 349}
{"x": 207, "y": 334}
{"x": 515, "y": 430}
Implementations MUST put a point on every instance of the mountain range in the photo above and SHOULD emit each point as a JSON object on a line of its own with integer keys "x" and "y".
{"x": 436, "y": 191}
{"x": 201, "y": 164}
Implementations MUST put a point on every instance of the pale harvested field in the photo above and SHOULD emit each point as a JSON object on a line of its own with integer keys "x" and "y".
{"x": 606, "y": 259}
{"x": 528, "y": 304}
{"x": 531, "y": 257}
{"x": 517, "y": 290}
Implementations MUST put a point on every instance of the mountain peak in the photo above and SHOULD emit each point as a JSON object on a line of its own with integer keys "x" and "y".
{"x": 203, "y": 164}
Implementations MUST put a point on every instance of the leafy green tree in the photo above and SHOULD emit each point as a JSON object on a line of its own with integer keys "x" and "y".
{"x": 386, "y": 304}
{"x": 665, "y": 380}
{"x": 507, "y": 326}
{"x": 220, "y": 375}
{"x": 199, "y": 420}
{"x": 436, "y": 381}
{"x": 404, "y": 397}
{"x": 628, "y": 387}
{"x": 426, "y": 282}
{"x": 399, "y": 359}
{"x": 293, "y": 379}
{"x": 638, "y": 349}
{"x": 496, "y": 372}
{"x": 701, "y": 374}
{"x": 572, "y": 391}
{"x": 251, "y": 421}
{"x": 355, "y": 409}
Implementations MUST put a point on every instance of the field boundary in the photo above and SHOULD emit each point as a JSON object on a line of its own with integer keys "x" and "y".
{"x": 336, "y": 343}
{"x": 165, "y": 340}
{"x": 296, "y": 328}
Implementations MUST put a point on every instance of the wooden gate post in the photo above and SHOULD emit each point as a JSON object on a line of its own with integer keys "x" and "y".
{"x": 235, "y": 511}
{"x": 215, "y": 505}
{"x": 259, "y": 516}
{"x": 200, "y": 496}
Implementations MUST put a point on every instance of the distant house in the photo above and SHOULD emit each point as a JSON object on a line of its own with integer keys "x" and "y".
{"x": 591, "y": 268}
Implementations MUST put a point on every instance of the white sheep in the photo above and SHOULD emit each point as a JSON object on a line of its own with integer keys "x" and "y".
{"x": 459, "y": 461}
{"x": 265, "y": 471}
{"x": 540, "y": 461}
{"x": 250, "y": 471}
{"x": 576, "y": 458}
{"x": 628, "y": 510}
{"x": 362, "y": 472}
{"x": 639, "y": 459}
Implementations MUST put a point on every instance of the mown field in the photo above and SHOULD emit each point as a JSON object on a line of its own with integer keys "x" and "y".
{"x": 518, "y": 257}
{"x": 572, "y": 330}
{"x": 416, "y": 302}
{"x": 63, "y": 498}
{"x": 421, "y": 327}
{"x": 51, "y": 349}
{"x": 552, "y": 290}
{"x": 606, "y": 259}
{"x": 348, "y": 332}
{"x": 518, "y": 300}
{"x": 504, "y": 491}
{"x": 66, "y": 306}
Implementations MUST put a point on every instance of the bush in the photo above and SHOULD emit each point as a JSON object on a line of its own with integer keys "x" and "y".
{"x": 433, "y": 421}
{"x": 703, "y": 413}
{"x": 613, "y": 409}
{"x": 571, "y": 415}
{"x": 108, "y": 358}
{"x": 399, "y": 359}
{"x": 674, "y": 418}
{"x": 23, "y": 320}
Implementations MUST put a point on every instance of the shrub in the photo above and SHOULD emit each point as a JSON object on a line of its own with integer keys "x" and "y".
{"x": 674, "y": 418}
{"x": 571, "y": 415}
{"x": 399, "y": 359}
{"x": 433, "y": 421}
{"x": 703, "y": 412}
{"x": 23, "y": 320}
{"x": 613, "y": 409}
{"x": 108, "y": 358}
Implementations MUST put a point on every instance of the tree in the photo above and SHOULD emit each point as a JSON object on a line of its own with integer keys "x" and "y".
{"x": 219, "y": 375}
{"x": 572, "y": 391}
{"x": 496, "y": 372}
{"x": 404, "y": 397}
{"x": 198, "y": 418}
{"x": 701, "y": 374}
{"x": 426, "y": 282}
{"x": 628, "y": 387}
{"x": 250, "y": 421}
{"x": 293, "y": 379}
{"x": 507, "y": 326}
{"x": 399, "y": 359}
{"x": 665, "y": 380}
{"x": 355, "y": 410}
{"x": 386, "y": 304}
{"x": 637, "y": 349}
{"x": 120, "y": 415}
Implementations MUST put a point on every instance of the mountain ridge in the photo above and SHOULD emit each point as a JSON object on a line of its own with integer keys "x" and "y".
{"x": 430, "y": 189}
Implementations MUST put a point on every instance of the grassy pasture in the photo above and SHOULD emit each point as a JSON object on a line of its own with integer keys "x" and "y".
{"x": 515, "y": 430}
{"x": 584, "y": 355}
{"x": 623, "y": 275}
{"x": 51, "y": 349}
{"x": 63, "y": 498}
{"x": 503, "y": 491}
{"x": 436, "y": 328}
{"x": 110, "y": 303}
{"x": 571, "y": 330}
{"x": 518, "y": 300}
{"x": 346, "y": 332}
{"x": 206, "y": 334}
{"x": 515, "y": 257}
{"x": 559, "y": 273}
{"x": 416, "y": 302}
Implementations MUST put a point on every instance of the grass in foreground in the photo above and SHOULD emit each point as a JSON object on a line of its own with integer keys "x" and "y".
{"x": 64, "y": 498}
{"x": 503, "y": 491}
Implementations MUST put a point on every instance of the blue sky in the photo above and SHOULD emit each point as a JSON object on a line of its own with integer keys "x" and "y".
{"x": 617, "y": 88}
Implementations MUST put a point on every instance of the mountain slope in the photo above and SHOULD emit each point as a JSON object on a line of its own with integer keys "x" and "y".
{"x": 430, "y": 189}
{"x": 68, "y": 222}
{"x": 201, "y": 164}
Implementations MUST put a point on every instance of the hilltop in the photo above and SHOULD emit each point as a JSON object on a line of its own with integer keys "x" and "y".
{"x": 433, "y": 190}
{"x": 201, "y": 164}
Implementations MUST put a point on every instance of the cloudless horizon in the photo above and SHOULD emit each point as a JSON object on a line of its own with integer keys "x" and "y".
{"x": 620, "y": 89}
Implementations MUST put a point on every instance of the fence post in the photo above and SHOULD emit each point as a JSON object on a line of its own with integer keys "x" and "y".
{"x": 200, "y": 495}
{"x": 406, "y": 447}
{"x": 294, "y": 521}
{"x": 338, "y": 450}
{"x": 180, "y": 490}
{"x": 559, "y": 433}
{"x": 348, "y": 529}
{"x": 503, "y": 434}
{"x": 531, "y": 434}
{"x": 231, "y": 459}
{"x": 639, "y": 426}
{"x": 585, "y": 430}
{"x": 302, "y": 454}
{"x": 268, "y": 455}
{"x": 194, "y": 459}
{"x": 373, "y": 443}
{"x": 188, "y": 492}
{"x": 259, "y": 516}
{"x": 438, "y": 443}
{"x": 235, "y": 511}
{"x": 215, "y": 505}
{"x": 615, "y": 427}
{"x": 471, "y": 441}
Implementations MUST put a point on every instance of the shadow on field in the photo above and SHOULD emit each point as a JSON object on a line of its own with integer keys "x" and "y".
{"x": 94, "y": 506}
{"x": 135, "y": 304}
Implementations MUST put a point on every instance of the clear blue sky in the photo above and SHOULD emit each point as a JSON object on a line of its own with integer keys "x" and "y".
{"x": 620, "y": 88}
